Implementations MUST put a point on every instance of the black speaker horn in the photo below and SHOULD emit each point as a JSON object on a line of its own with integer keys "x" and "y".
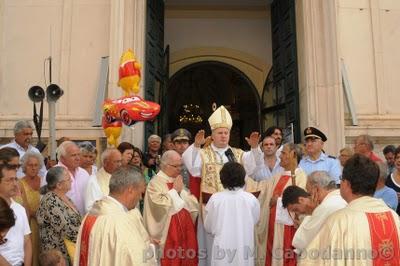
{"x": 53, "y": 92}
{"x": 36, "y": 94}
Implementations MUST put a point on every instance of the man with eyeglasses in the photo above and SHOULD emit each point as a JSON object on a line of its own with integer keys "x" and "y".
{"x": 23, "y": 132}
{"x": 17, "y": 250}
{"x": 170, "y": 212}
{"x": 316, "y": 159}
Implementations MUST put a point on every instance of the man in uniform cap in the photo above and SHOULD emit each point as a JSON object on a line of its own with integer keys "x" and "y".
{"x": 316, "y": 159}
{"x": 180, "y": 139}
{"x": 205, "y": 164}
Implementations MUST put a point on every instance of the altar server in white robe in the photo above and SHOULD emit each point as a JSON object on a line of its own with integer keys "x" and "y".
{"x": 230, "y": 217}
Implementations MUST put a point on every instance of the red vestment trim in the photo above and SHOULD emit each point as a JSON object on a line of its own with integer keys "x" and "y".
{"x": 289, "y": 257}
{"x": 384, "y": 239}
{"x": 278, "y": 190}
{"x": 194, "y": 186}
{"x": 84, "y": 248}
{"x": 181, "y": 244}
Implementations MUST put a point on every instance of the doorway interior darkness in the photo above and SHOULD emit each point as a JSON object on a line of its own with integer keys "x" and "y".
{"x": 193, "y": 90}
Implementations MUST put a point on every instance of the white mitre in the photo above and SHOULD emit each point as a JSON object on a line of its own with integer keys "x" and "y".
{"x": 220, "y": 118}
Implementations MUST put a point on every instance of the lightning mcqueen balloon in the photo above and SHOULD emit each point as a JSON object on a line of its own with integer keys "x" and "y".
{"x": 129, "y": 110}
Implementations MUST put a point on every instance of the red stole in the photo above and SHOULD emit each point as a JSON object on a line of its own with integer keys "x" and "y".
{"x": 84, "y": 248}
{"x": 384, "y": 239}
{"x": 181, "y": 243}
{"x": 288, "y": 255}
{"x": 194, "y": 186}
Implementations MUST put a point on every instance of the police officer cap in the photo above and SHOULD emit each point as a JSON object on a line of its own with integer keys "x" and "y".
{"x": 181, "y": 134}
{"x": 312, "y": 132}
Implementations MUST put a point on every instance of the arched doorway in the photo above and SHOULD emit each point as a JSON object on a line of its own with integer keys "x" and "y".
{"x": 193, "y": 90}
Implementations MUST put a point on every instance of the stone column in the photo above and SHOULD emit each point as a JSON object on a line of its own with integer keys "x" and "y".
{"x": 321, "y": 93}
{"x": 127, "y": 30}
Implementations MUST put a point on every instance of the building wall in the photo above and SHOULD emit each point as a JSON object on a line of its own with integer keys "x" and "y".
{"x": 240, "y": 37}
{"x": 365, "y": 33}
{"x": 369, "y": 38}
{"x": 76, "y": 35}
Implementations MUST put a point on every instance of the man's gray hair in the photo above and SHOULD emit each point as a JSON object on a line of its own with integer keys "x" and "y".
{"x": 62, "y": 149}
{"x": 297, "y": 149}
{"x": 166, "y": 158}
{"x": 104, "y": 156}
{"x": 27, "y": 156}
{"x": 383, "y": 170}
{"x": 154, "y": 137}
{"x": 20, "y": 125}
{"x": 322, "y": 179}
{"x": 87, "y": 146}
{"x": 124, "y": 177}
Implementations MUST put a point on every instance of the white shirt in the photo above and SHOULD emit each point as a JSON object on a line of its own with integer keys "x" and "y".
{"x": 311, "y": 225}
{"x": 22, "y": 151}
{"x": 262, "y": 171}
{"x": 230, "y": 217}
{"x": 80, "y": 179}
{"x": 13, "y": 249}
{"x": 93, "y": 190}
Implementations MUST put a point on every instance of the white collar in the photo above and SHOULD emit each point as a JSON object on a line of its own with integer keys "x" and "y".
{"x": 219, "y": 150}
{"x": 118, "y": 203}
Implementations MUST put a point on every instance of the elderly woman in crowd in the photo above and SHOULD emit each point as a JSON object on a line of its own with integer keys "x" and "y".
{"x": 126, "y": 150}
{"x": 29, "y": 187}
{"x": 88, "y": 157}
{"x": 7, "y": 220}
{"x": 58, "y": 218}
{"x": 344, "y": 155}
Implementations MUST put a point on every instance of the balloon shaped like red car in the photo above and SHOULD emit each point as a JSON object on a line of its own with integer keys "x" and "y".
{"x": 129, "y": 110}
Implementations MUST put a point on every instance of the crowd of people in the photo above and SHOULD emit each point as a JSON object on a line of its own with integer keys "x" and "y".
{"x": 198, "y": 201}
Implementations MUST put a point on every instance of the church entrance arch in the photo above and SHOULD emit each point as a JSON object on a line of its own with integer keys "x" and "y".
{"x": 193, "y": 90}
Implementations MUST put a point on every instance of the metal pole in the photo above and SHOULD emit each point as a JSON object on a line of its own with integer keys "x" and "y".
{"x": 52, "y": 129}
{"x": 347, "y": 93}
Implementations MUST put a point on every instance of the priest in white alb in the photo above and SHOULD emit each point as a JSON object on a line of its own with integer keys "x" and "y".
{"x": 366, "y": 232}
{"x": 112, "y": 233}
{"x": 275, "y": 231}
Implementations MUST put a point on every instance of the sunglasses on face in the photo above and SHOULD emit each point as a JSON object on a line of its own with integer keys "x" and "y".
{"x": 10, "y": 166}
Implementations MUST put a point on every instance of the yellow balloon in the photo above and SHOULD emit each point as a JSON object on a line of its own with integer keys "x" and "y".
{"x": 129, "y": 73}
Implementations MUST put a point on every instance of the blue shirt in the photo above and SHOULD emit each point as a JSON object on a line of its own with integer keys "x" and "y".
{"x": 323, "y": 163}
{"x": 388, "y": 195}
